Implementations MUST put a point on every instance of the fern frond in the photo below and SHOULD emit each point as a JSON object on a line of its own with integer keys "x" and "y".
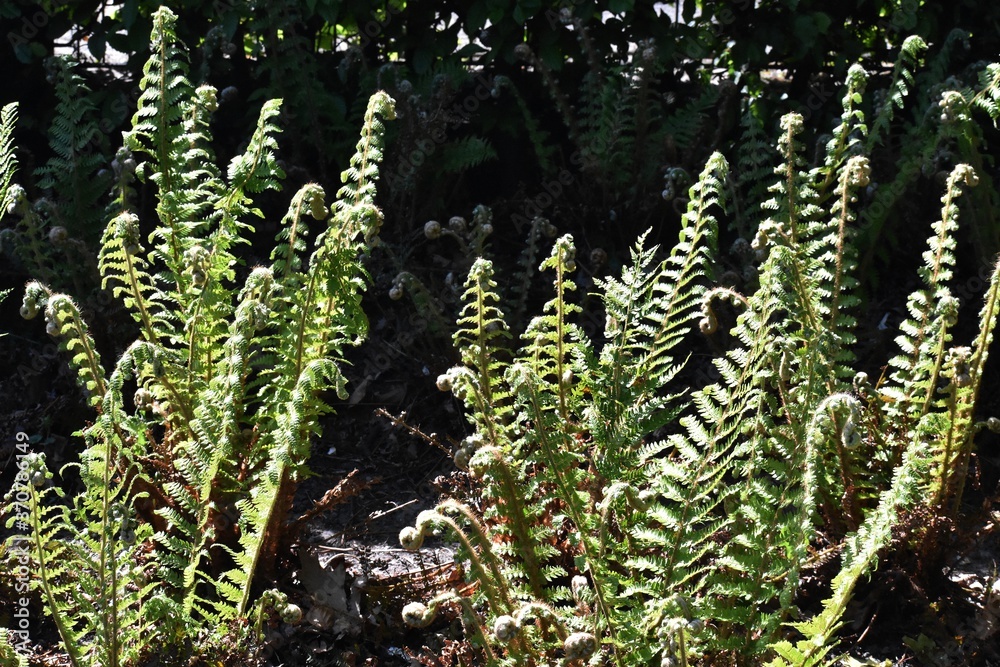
{"x": 464, "y": 154}
{"x": 754, "y": 170}
{"x": 686, "y": 123}
{"x": 481, "y": 327}
{"x": 902, "y": 82}
{"x": 648, "y": 312}
{"x": 290, "y": 243}
{"x": 933, "y": 311}
{"x": 70, "y": 175}
{"x": 256, "y": 170}
{"x": 859, "y": 557}
{"x": 988, "y": 97}
{"x": 955, "y": 470}
{"x": 846, "y": 135}
{"x": 124, "y": 267}
{"x": 8, "y": 161}
{"x": 157, "y": 126}
{"x": 64, "y": 323}
{"x": 8, "y": 651}
{"x": 359, "y": 179}
{"x": 55, "y": 564}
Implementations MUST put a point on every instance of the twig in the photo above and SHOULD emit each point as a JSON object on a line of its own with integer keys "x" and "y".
{"x": 413, "y": 430}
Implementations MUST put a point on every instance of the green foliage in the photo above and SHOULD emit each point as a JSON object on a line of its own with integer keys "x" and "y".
{"x": 187, "y": 483}
{"x": 901, "y": 85}
{"x": 537, "y": 419}
{"x": 755, "y": 157}
{"x": 53, "y": 237}
{"x": 289, "y": 67}
{"x": 630, "y": 522}
{"x": 435, "y": 145}
{"x": 70, "y": 176}
{"x": 631, "y": 518}
{"x": 628, "y": 138}
{"x": 8, "y": 161}
{"x": 928, "y": 143}
{"x": 8, "y": 164}
{"x": 8, "y": 653}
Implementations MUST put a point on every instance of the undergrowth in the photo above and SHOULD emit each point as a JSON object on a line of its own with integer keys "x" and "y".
{"x": 202, "y": 427}
{"x": 628, "y": 519}
{"x": 631, "y": 521}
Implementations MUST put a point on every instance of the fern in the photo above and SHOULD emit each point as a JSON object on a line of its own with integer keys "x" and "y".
{"x": 314, "y": 324}
{"x": 685, "y": 125}
{"x": 926, "y": 428}
{"x": 187, "y": 486}
{"x": 55, "y": 562}
{"x": 779, "y": 382}
{"x": 289, "y": 67}
{"x": 899, "y": 88}
{"x": 859, "y": 557}
{"x": 8, "y": 161}
{"x": 9, "y": 654}
{"x": 543, "y": 151}
{"x": 624, "y": 133}
{"x": 944, "y": 134}
{"x": 561, "y": 421}
{"x": 754, "y": 168}
{"x": 933, "y": 311}
{"x": 69, "y": 177}
{"x": 654, "y": 524}
{"x": 53, "y": 237}
{"x": 158, "y": 129}
{"x": 8, "y": 164}
{"x": 845, "y": 136}
{"x": 464, "y": 154}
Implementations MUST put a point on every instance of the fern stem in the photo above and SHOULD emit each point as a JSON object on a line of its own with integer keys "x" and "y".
{"x": 110, "y": 593}
{"x": 483, "y": 359}
{"x": 932, "y": 384}
{"x": 96, "y": 372}
{"x": 693, "y": 237}
{"x": 192, "y": 324}
{"x": 988, "y": 318}
{"x": 560, "y": 337}
{"x": 497, "y": 596}
{"x": 791, "y": 190}
{"x": 806, "y": 299}
{"x": 304, "y": 314}
{"x": 520, "y": 526}
{"x": 845, "y": 200}
{"x": 578, "y": 514}
{"x": 70, "y": 643}
{"x": 846, "y": 479}
{"x": 470, "y": 613}
{"x": 139, "y": 300}
{"x": 267, "y": 521}
{"x": 947, "y": 470}
{"x": 292, "y": 238}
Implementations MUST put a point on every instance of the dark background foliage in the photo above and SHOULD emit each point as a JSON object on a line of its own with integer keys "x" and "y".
{"x": 324, "y": 57}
